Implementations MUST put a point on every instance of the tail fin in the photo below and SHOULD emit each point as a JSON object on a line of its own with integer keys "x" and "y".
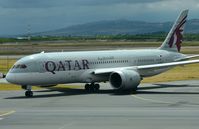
{"x": 174, "y": 38}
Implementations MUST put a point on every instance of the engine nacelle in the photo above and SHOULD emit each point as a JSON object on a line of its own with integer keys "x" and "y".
{"x": 125, "y": 79}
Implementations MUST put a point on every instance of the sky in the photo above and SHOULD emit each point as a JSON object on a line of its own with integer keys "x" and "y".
{"x": 22, "y": 16}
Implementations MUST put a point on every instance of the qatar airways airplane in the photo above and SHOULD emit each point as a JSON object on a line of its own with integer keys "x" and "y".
{"x": 124, "y": 69}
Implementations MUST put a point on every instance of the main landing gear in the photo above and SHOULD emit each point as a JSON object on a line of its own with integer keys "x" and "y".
{"x": 28, "y": 92}
{"x": 92, "y": 87}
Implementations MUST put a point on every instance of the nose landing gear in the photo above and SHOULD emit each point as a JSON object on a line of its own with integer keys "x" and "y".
{"x": 28, "y": 92}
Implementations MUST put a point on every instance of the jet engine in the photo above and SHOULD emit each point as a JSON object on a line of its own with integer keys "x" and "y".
{"x": 125, "y": 80}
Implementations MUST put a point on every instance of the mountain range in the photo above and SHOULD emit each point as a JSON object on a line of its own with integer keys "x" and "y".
{"x": 115, "y": 27}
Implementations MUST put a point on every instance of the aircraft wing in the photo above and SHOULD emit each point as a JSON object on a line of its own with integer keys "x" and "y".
{"x": 168, "y": 64}
{"x": 143, "y": 67}
{"x": 109, "y": 70}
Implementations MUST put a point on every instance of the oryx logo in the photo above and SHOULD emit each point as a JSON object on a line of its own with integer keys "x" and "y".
{"x": 177, "y": 35}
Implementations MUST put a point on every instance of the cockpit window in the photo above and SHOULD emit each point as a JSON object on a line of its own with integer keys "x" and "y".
{"x": 19, "y": 66}
{"x": 23, "y": 66}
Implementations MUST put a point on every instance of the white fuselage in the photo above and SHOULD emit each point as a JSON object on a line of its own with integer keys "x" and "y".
{"x": 77, "y": 67}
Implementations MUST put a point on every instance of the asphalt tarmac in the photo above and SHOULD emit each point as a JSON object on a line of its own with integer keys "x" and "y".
{"x": 173, "y": 105}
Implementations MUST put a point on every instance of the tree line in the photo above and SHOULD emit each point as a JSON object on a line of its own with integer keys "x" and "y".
{"x": 156, "y": 37}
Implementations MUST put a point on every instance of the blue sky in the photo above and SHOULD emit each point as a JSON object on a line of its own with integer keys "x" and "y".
{"x": 43, "y": 15}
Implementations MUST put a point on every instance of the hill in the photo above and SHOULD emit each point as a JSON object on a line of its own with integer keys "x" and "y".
{"x": 119, "y": 27}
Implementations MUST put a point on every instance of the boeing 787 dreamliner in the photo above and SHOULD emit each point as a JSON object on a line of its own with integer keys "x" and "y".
{"x": 124, "y": 69}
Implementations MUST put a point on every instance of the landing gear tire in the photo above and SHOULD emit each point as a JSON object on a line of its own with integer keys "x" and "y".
{"x": 96, "y": 87}
{"x": 87, "y": 87}
{"x": 92, "y": 87}
{"x": 28, "y": 89}
{"x": 29, "y": 94}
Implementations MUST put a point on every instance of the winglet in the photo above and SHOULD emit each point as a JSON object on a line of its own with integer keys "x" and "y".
{"x": 174, "y": 38}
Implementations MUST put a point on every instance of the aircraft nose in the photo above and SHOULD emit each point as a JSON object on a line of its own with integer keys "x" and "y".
{"x": 10, "y": 77}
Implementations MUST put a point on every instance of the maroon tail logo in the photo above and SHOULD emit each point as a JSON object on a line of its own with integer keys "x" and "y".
{"x": 177, "y": 35}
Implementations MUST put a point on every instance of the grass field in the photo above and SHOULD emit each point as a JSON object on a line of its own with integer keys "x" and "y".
{"x": 35, "y": 47}
{"x": 6, "y": 64}
{"x": 188, "y": 72}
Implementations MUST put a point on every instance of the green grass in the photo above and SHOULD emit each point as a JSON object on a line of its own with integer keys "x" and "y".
{"x": 188, "y": 72}
{"x": 93, "y": 43}
{"x": 6, "y": 64}
{"x": 192, "y": 50}
{"x": 25, "y": 48}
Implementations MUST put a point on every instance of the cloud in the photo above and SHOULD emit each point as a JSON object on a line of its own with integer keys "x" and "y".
{"x": 44, "y": 15}
{"x": 62, "y": 3}
{"x": 110, "y": 2}
{"x": 25, "y": 3}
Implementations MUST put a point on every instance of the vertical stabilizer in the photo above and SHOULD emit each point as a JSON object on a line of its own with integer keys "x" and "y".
{"x": 174, "y": 38}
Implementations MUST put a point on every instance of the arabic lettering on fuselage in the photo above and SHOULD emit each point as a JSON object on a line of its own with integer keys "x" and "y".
{"x": 67, "y": 65}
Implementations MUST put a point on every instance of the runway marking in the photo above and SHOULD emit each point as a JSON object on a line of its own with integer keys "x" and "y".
{"x": 7, "y": 113}
{"x": 64, "y": 126}
{"x": 151, "y": 100}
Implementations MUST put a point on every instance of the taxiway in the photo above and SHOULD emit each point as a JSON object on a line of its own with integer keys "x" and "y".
{"x": 172, "y": 105}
